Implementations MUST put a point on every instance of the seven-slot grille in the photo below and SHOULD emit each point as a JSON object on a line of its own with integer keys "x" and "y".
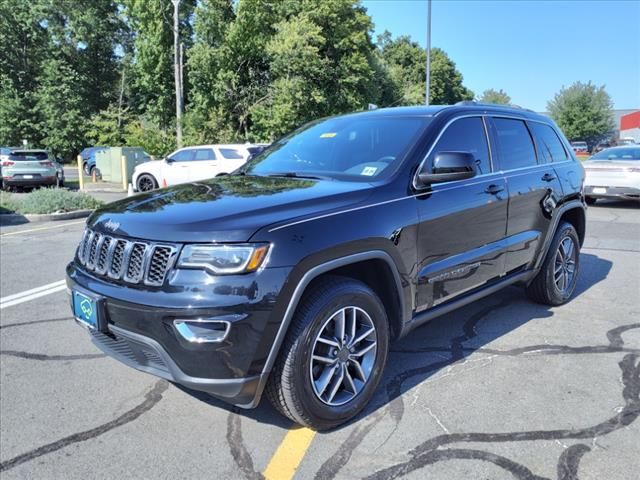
{"x": 131, "y": 261}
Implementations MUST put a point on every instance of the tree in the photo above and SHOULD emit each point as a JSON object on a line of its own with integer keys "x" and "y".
{"x": 405, "y": 61}
{"x": 62, "y": 107}
{"x": 583, "y": 111}
{"x": 499, "y": 97}
{"x": 153, "y": 65}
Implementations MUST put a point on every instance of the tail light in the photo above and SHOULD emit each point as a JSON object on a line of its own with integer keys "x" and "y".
{"x": 7, "y": 163}
{"x": 46, "y": 163}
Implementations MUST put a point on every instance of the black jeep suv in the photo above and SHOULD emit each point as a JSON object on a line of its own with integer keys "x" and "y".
{"x": 292, "y": 275}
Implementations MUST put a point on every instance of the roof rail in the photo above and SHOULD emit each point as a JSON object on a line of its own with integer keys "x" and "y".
{"x": 481, "y": 104}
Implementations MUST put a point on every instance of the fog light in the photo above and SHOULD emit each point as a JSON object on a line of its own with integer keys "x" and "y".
{"x": 203, "y": 330}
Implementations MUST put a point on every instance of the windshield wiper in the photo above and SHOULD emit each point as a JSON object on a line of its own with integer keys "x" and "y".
{"x": 296, "y": 175}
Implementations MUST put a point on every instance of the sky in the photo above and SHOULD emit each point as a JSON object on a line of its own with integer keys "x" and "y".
{"x": 530, "y": 49}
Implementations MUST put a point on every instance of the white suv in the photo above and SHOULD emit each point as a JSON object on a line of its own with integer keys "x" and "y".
{"x": 191, "y": 164}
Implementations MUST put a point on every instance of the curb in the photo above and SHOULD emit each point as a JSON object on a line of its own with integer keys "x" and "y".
{"x": 17, "y": 218}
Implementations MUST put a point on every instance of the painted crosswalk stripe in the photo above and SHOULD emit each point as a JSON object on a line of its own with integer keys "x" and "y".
{"x": 32, "y": 294}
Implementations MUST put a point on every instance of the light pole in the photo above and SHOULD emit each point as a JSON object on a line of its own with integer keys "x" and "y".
{"x": 428, "y": 74}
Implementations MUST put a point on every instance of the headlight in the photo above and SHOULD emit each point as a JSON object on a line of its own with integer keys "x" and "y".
{"x": 223, "y": 259}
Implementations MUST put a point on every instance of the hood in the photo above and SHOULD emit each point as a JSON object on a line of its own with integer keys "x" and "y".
{"x": 224, "y": 209}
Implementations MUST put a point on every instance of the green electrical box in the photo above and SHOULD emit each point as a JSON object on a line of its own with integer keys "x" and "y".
{"x": 109, "y": 163}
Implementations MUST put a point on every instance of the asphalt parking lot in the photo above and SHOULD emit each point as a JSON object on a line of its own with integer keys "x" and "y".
{"x": 503, "y": 388}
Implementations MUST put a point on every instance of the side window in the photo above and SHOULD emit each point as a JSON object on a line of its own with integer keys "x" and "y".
{"x": 549, "y": 145}
{"x": 182, "y": 155}
{"x": 515, "y": 147}
{"x": 204, "y": 154}
{"x": 466, "y": 135}
{"x": 231, "y": 154}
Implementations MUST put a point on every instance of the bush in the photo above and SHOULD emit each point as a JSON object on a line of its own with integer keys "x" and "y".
{"x": 47, "y": 200}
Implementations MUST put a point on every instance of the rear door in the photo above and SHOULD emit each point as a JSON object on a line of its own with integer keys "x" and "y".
{"x": 204, "y": 164}
{"x": 232, "y": 159}
{"x": 534, "y": 190}
{"x": 462, "y": 223}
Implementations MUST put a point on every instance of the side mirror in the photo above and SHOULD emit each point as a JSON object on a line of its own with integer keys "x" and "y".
{"x": 447, "y": 167}
{"x": 169, "y": 160}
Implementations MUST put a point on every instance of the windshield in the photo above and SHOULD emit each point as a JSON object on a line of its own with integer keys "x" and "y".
{"x": 631, "y": 153}
{"x": 352, "y": 148}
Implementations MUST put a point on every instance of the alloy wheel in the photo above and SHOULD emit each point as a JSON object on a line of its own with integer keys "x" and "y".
{"x": 145, "y": 184}
{"x": 565, "y": 265}
{"x": 343, "y": 355}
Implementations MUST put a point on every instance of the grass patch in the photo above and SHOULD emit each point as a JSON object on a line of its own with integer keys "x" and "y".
{"x": 47, "y": 200}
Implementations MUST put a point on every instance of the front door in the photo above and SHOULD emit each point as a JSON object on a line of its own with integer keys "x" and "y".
{"x": 176, "y": 169}
{"x": 462, "y": 223}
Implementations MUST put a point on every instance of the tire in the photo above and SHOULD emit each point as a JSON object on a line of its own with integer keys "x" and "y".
{"x": 146, "y": 182}
{"x": 546, "y": 287}
{"x": 291, "y": 387}
{"x": 590, "y": 200}
{"x": 85, "y": 167}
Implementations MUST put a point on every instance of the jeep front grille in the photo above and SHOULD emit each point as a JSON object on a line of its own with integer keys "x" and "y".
{"x": 129, "y": 261}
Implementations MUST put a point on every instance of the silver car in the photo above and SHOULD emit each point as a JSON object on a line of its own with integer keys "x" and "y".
{"x": 613, "y": 173}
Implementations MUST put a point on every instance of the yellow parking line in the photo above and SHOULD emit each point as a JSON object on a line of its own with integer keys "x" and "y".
{"x": 18, "y": 232}
{"x": 285, "y": 461}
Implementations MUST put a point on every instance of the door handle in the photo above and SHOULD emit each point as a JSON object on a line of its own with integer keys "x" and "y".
{"x": 548, "y": 177}
{"x": 494, "y": 189}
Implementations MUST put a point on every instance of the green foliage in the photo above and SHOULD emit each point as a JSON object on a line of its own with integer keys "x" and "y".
{"x": 61, "y": 107}
{"x": 47, "y": 200}
{"x": 406, "y": 61}
{"x": 79, "y": 72}
{"x": 498, "y": 97}
{"x": 107, "y": 127}
{"x": 153, "y": 84}
{"x": 153, "y": 139}
{"x": 583, "y": 111}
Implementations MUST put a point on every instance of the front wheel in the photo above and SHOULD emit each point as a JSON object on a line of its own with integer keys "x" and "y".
{"x": 555, "y": 282}
{"x": 333, "y": 356}
{"x": 146, "y": 183}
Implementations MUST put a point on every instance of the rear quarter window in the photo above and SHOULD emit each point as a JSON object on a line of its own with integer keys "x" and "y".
{"x": 231, "y": 154}
{"x": 549, "y": 145}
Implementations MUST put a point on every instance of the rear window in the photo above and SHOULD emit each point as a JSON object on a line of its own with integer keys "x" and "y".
{"x": 632, "y": 153}
{"x": 28, "y": 156}
{"x": 515, "y": 148}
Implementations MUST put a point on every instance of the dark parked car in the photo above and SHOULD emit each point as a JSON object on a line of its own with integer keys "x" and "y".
{"x": 292, "y": 276}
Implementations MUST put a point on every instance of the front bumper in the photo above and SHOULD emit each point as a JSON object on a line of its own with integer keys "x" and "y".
{"x": 627, "y": 193}
{"x": 147, "y": 355}
{"x": 141, "y": 333}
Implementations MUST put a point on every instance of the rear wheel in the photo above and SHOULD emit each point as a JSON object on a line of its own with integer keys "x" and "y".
{"x": 333, "y": 356}
{"x": 558, "y": 276}
{"x": 146, "y": 183}
{"x": 590, "y": 200}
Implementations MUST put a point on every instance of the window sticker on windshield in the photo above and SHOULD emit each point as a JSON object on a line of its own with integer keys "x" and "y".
{"x": 328, "y": 135}
{"x": 369, "y": 171}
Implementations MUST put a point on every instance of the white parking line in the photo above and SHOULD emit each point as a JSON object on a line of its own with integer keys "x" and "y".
{"x": 32, "y": 294}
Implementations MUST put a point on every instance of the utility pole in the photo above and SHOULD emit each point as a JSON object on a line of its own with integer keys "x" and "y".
{"x": 428, "y": 73}
{"x": 177, "y": 70}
